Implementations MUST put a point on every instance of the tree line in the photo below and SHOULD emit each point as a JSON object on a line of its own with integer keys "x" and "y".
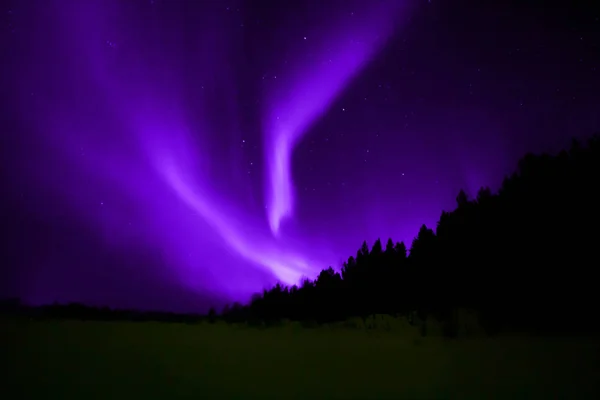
{"x": 524, "y": 258}
{"x": 82, "y": 312}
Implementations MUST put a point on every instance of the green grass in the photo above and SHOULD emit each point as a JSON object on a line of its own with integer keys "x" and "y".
{"x": 96, "y": 360}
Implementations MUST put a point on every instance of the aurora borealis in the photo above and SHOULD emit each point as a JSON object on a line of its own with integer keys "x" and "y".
{"x": 213, "y": 148}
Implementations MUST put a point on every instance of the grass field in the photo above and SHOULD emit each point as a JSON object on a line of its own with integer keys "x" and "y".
{"x": 105, "y": 360}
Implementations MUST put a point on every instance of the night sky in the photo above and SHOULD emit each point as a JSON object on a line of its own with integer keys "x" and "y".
{"x": 172, "y": 154}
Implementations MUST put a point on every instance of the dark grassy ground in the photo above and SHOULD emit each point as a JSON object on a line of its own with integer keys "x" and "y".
{"x": 95, "y": 360}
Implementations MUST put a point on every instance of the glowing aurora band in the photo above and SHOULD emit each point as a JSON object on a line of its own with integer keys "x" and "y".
{"x": 168, "y": 151}
{"x": 307, "y": 98}
{"x": 312, "y": 89}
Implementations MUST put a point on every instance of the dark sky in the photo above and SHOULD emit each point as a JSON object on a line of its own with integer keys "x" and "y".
{"x": 161, "y": 153}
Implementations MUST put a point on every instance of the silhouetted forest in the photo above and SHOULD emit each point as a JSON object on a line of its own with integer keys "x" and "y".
{"x": 525, "y": 259}
{"x": 77, "y": 311}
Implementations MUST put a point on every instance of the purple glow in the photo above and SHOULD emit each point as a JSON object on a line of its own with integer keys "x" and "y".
{"x": 163, "y": 160}
{"x": 311, "y": 88}
{"x": 218, "y": 148}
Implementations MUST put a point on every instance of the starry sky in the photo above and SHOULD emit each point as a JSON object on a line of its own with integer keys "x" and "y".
{"x": 174, "y": 154}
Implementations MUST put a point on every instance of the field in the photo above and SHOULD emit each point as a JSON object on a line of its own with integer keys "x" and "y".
{"x": 106, "y": 360}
